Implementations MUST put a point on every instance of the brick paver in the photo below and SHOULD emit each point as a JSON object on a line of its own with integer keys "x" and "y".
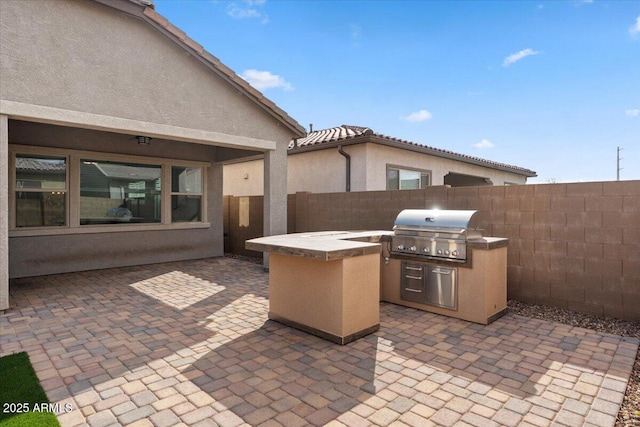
{"x": 189, "y": 343}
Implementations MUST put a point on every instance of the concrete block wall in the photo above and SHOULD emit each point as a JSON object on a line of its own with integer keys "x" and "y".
{"x": 574, "y": 246}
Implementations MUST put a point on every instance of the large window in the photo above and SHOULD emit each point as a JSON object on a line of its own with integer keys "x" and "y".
{"x": 40, "y": 191}
{"x": 116, "y": 193}
{"x": 407, "y": 179}
{"x": 67, "y": 191}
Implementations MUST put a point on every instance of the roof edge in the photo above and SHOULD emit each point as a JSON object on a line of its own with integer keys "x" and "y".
{"x": 145, "y": 10}
{"x": 407, "y": 145}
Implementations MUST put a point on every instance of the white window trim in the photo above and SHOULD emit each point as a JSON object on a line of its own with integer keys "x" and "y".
{"x": 72, "y": 202}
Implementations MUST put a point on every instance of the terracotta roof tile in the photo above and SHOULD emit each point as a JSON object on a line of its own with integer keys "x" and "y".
{"x": 211, "y": 58}
{"x": 175, "y": 31}
{"x": 347, "y": 132}
{"x": 152, "y": 14}
{"x": 193, "y": 45}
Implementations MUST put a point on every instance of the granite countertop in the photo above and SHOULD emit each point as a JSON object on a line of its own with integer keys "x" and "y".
{"x": 322, "y": 245}
{"x": 487, "y": 243}
{"x": 331, "y": 245}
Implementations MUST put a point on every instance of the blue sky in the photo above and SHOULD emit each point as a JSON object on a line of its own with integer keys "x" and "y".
{"x": 553, "y": 86}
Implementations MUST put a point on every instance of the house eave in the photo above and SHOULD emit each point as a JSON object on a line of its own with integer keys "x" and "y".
{"x": 375, "y": 139}
{"x": 150, "y": 16}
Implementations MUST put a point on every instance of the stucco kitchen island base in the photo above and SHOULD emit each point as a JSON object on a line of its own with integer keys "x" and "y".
{"x": 336, "y": 300}
{"x": 325, "y": 283}
{"x": 482, "y": 289}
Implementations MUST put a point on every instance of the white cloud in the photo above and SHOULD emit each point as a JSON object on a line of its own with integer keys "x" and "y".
{"x": 633, "y": 113}
{"x": 515, "y": 57}
{"x": 485, "y": 143}
{"x": 418, "y": 116}
{"x": 248, "y": 9}
{"x": 635, "y": 29}
{"x": 263, "y": 80}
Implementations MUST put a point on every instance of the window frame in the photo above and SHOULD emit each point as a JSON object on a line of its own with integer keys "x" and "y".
{"x": 201, "y": 194}
{"x": 130, "y": 163}
{"x": 389, "y": 167}
{"x": 13, "y": 189}
{"x": 72, "y": 202}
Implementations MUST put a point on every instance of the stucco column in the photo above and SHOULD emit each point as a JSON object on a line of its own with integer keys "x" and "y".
{"x": 216, "y": 201}
{"x": 4, "y": 212}
{"x": 275, "y": 193}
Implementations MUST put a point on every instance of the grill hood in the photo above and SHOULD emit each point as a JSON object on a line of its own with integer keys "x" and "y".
{"x": 451, "y": 221}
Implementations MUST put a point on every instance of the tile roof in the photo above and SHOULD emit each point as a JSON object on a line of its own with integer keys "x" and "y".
{"x": 123, "y": 171}
{"x": 348, "y": 134}
{"x": 148, "y": 13}
{"x": 39, "y": 165}
{"x": 144, "y": 3}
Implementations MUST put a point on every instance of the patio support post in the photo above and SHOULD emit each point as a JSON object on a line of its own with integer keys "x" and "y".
{"x": 4, "y": 212}
{"x": 275, "y": 194}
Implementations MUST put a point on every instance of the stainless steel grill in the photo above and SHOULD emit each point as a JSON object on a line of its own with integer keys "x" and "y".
{"x": 433, "y": 234}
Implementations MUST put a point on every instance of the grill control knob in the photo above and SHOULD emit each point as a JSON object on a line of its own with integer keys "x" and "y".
{"x": 400, "y": 247}
{"x": 454, "y": 253}
{"x": 413, "y": 248}
{"x": 446, "y": 252}
{"x": 439, "y": 251}
{"x": 425, "y": 250}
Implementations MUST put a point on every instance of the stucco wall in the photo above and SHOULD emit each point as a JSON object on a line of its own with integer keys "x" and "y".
{"x": 244, "y": 179}
{"x": 324, "y": 171}
{"x": 379, "y": 156}
{"x": 88, "y": 57}
{"x": 103, "y": 67}
{"x": 317, "y": 171}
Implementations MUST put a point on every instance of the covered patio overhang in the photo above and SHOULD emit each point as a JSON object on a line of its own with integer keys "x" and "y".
{"x": 81, "y": 81}
{"x": 26, "y": 117}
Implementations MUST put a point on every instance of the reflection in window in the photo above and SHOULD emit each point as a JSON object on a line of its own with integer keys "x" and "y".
{"x": 40, "y": 191}
{"x": 117, "y": 193}
{"x": 186, "y": 194}
{"x": 405, "y": 179}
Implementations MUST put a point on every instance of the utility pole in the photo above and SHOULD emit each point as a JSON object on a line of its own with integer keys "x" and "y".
{"x": 619, "y": 168}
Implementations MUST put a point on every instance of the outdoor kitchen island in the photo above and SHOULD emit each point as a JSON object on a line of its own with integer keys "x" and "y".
{"x": 330, "y": 283}
{"x": 325, "y": 283}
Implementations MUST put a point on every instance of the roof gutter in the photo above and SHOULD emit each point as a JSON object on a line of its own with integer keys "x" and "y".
{"x": 348, "y": 171}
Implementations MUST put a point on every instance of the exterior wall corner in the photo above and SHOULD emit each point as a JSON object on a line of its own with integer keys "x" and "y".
{"x": 4, "y": 212}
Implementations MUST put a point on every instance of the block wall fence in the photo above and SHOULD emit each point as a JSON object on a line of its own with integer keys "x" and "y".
{"x": 574, "y": 246}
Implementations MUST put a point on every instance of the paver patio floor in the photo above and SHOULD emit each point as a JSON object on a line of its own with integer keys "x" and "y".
{"x": 189, "y": 343}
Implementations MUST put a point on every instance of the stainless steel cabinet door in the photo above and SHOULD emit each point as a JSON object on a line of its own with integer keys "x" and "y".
{"x": 442, "y": 287}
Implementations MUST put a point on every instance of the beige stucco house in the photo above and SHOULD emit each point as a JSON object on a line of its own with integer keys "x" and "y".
{"x": 354, "y": 158}
{"x": 113, "y": 129}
